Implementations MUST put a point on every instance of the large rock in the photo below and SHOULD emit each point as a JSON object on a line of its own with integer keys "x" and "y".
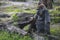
{"x": 2, "y": 26}
{"x": 24, "y": 19}
{"x": 2, "y": 15}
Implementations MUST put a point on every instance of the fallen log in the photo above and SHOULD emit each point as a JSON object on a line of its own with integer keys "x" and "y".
{"x": 15, "y": 29}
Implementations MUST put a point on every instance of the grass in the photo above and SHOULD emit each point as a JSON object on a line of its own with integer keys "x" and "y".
{"x": 30, "y": 11}
{"x": 55, "y": 31}
{"x": 7, "y": 36}
{"x": 21, "y": 10}
{"x": 17, "y": 9}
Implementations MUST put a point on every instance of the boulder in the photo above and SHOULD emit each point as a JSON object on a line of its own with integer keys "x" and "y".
{"x": 2, "y": 26}
{"x": 24, "y": 19}
{"x": 2, "y": 15}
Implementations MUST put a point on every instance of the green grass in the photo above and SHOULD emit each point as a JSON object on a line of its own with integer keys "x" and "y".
{"x": 55, "y": 31}
{"x": 7, "y": 36}
{"x": 16, "y": 9}
{"x": 21, "y": 10}
{"x": 30, "y": 11}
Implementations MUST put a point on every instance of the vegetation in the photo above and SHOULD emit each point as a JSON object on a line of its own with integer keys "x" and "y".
{"x": 55, "y": 18}
{"x": 7, "y": 36}
{"x": 55, "y": 31}
{"x": 14, "y": 17}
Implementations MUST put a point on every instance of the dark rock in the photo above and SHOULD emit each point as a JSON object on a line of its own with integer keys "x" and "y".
{"x": 22, "y": 24}
{"x": 2, "y": 26}
{"x": 24, "y": 19}
{"x": 4, "y": 15}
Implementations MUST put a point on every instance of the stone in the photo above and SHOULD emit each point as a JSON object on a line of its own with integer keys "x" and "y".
{"x": 2, "y": 15}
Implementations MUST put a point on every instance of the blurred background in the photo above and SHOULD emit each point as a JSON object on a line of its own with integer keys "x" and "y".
{"x": 9, "y": 9}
